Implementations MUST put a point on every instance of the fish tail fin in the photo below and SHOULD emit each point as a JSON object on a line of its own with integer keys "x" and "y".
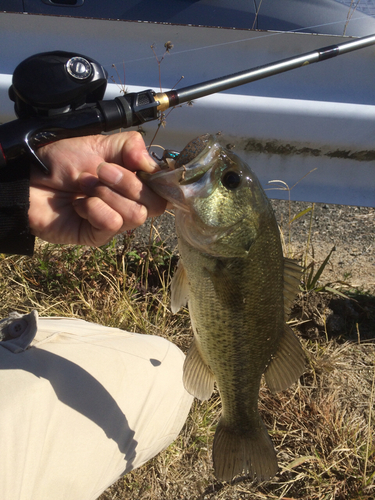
{"x": 252, "y": 452}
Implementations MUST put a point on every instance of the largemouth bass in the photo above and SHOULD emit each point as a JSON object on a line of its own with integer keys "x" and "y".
{"x": 239, "y": 289}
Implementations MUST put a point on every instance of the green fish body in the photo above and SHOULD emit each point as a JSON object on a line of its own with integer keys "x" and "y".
{"x": 239, "y": 288}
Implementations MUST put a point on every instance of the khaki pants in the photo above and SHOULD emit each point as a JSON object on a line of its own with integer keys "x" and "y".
{"x": 82, "y": 404}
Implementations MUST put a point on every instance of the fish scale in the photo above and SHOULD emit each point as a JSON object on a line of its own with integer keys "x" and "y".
{"x": 238, "y": 307}
{"x": 238, "y": 287}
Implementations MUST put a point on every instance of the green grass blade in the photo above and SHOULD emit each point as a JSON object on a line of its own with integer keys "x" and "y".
{"x": 300, "y": 214}
{"x": 319, "y": 272}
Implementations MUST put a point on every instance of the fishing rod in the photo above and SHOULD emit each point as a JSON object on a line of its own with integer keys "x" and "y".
{"x": 60, "y": 94}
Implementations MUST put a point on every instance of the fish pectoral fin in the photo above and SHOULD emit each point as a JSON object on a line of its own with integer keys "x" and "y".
{"x": 179, "y": 288}
{"x": 287, "y": 365}
{"x": 292, "y": 279}
{"x": 235, "y": 452}
{"x": 198, "y": 378}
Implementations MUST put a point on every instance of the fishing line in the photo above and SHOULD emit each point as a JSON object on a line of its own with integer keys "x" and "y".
{"x": 175, "y": 53}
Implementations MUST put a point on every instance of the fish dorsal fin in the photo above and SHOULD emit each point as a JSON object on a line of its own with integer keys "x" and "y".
{"x": 292, "y": 279}
{"x": 288, "y": 363}
{"x": 179, "y": 288}
{"x": 198, "y": 378}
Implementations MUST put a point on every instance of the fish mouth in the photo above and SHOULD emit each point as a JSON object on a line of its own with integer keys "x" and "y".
{"x": 185, "y": 187}
{"x": 181, "y": 184}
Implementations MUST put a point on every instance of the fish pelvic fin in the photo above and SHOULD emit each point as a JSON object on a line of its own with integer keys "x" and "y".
{"x": 179, "y": 288}
{"x": 288, "y": 363}
{"x": 234, "y": 453}
{"x": 198, "y": 379}
{"x": 292, "y": 280}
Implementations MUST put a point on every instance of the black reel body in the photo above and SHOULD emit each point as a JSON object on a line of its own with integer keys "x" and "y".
{"x": 58, "y": 95}
{"x": 56, "y": 82}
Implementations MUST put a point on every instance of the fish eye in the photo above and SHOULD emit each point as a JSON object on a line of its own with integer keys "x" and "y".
{"x": 231, "y": 180}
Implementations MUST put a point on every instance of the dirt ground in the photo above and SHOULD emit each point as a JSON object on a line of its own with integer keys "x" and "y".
{"x": 350, "y": 269}
{"x": 350, "y": 230}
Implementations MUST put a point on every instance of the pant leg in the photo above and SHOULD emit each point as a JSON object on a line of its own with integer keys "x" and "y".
{"x": 84, "y": 405}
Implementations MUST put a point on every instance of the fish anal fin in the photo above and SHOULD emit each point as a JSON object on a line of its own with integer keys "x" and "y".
{"x": 252, "y": 452}
{"x": 179, "y": 288}
{"x": 287, "y": 365}
{"x": 292, "y": 279}
{"x": 198, "y": 378}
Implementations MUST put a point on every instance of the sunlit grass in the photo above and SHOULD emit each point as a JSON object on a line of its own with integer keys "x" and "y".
{"x": 322, "y": 427}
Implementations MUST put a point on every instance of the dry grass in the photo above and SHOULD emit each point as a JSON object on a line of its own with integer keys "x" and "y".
{"x": 323, "y": 427}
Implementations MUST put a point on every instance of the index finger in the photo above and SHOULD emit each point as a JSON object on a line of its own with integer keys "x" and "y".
{"x": 128, "y": 149}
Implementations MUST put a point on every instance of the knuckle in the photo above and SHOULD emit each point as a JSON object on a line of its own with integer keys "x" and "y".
{"x": 136, "y": 215}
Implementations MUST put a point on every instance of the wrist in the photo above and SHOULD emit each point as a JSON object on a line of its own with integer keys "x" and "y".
{"x": 15, "y": 235}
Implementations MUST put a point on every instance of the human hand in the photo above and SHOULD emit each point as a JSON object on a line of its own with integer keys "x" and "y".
{"x": 92, "y": 192}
